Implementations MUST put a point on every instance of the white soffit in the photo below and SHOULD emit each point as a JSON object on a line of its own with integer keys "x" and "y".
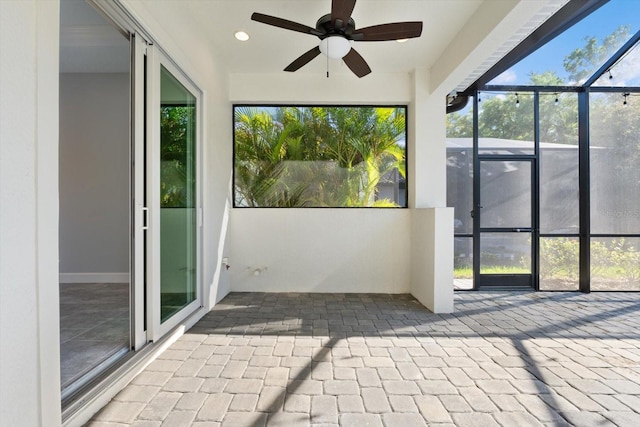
{"x": 547, "y": 9}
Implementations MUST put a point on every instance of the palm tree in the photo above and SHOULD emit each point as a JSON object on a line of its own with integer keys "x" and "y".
{"x": 316, "y": 156}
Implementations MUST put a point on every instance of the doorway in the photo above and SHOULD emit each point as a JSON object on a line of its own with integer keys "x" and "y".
{"x": 130, "y": 197}
{"x": 505, "y": 218}
{"x": 94, "y": 158}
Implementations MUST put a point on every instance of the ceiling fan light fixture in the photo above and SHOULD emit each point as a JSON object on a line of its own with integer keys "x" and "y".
{"x": 335, "y": 47}
{"x": 402, "y": 40}
{"x": 241, "y": 35}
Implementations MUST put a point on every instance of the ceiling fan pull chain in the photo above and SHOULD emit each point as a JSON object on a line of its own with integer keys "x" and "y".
{"x": 327, "y": 61}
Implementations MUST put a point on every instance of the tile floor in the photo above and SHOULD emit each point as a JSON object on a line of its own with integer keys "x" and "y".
{"x": 94, "y": 325}
{"x": 502, "y": 359}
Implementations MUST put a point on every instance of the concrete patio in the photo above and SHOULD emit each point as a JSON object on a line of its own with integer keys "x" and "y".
{"x": 503, "y": 359}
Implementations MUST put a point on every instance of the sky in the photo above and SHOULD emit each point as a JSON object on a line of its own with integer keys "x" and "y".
{"x": 599, "y": 24}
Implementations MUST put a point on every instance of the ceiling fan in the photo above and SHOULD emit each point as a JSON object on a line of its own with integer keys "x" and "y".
{"x": 336, "y": 30}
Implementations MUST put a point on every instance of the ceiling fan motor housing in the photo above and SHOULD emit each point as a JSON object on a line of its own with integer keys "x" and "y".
{"x": 326, "y": 26}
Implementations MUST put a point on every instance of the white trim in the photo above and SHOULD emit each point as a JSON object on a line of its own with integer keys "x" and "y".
{"x": 157, "y": 60}
{"x": 152, "y": 142}
{"x": 140, "y": 210}
{"x": 127, "y": 18}
{"x": 47, "y": 193}
{"x": 94, "y": 278}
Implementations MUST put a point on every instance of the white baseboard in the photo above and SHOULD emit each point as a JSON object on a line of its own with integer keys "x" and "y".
{"x": 94, "y": 277}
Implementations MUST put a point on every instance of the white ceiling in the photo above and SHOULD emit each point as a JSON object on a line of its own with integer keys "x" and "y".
{"x": 271, "y": 49}
{"x": 88, "y": 44}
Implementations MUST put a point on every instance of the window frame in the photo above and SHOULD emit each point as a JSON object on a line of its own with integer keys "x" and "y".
{"x": 404, "y": 190}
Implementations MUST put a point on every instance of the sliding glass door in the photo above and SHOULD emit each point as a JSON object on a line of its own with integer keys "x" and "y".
{"x": 178, "y": 201}
{"x": 94, "y": 197}
{"x": 174, "y": 187}
{"x": 135, "y": 270}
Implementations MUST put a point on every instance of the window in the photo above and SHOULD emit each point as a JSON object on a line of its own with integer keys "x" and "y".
{"x": 319, "y": 156}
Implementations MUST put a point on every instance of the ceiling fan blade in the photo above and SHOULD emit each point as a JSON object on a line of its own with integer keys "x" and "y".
{"x": 341, "y": 12}
{"x": 356, "y": 63}
{"x": 284, "y": 23}
{"x": 303, "y": 60}
{"x": 384, "y": 32}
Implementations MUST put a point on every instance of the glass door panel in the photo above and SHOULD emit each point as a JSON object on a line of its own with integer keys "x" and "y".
{"x": 95, "y": 199}
{"x": 178, "y": 201}
{"x": 505, "y": 191}
{"x": 505, "y": 253}
{"x": 505, "y": 215}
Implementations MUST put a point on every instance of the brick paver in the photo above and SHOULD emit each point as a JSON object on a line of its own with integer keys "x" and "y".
{"x": 502, "y": 359}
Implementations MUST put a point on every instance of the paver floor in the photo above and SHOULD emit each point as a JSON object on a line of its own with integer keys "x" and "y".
{"x": 502, "y": 359}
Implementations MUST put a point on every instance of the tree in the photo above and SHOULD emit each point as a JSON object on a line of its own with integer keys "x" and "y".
{"x": 261, "y": 146}
{"x": 316, "y": 156}
{"x": 584, "y": 61}
{"x": 177, "y": 155}
{"x": 499, "y": 119}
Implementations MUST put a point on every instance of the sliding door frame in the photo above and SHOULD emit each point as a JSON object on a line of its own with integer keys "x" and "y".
{"x": 157, "y": 59}
{"x": 140, "y": 211}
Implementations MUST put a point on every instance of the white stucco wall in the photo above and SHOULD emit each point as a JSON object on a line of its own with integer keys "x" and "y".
{"x": 320, "y": 250}
{"x": 318, "y": 89}
{"x": 351, "y": 250}
{"x": 94, "y": 177}
{"x": 29, "y": 318}
{"x": 432, "y": 258}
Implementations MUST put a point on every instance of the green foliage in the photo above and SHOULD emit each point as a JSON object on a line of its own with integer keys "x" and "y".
{"x": 500, "y": 118}
{"x": 316, "y": 156}
{"x": 616, "y": 259}
{"x": 460, "y": 125}
{"x": 559, "y": 258}
{"x": 504, "y": 118}
{"x": 504, "y": 269}
{"x": 177, "y": 156}
{"x": 617, "y": 127}
{"x": 463, "y": 272}
{"x": 611, "y": 259}
{"x": 584, "y": 61}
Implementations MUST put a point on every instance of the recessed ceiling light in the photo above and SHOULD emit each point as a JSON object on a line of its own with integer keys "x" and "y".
{"x": 241, "y": 35}
{"x": 402, "y": 40}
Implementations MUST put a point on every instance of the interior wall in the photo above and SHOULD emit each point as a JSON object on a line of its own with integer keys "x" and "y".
{"x": 94, "y": 177}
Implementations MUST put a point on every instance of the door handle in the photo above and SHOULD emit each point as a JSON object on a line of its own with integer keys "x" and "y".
{"x": 145, "y": 218}
{"x": 473, "y": 211}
